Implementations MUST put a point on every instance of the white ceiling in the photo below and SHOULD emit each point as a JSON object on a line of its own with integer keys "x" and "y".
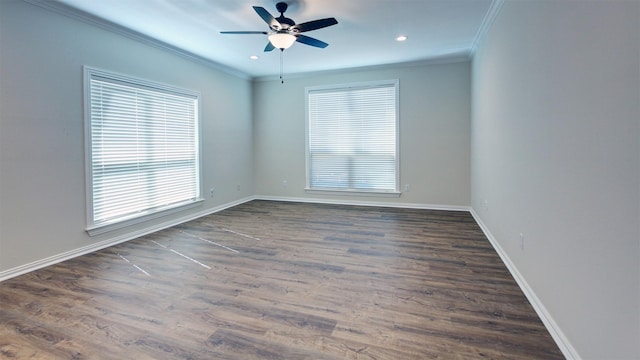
{"x": 364, "y": 36}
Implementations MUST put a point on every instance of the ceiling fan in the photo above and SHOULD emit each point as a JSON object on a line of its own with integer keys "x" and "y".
{"x": 284, "y": 31}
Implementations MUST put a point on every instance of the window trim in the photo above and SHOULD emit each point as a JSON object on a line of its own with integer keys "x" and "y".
{"x": 95, "y": 229}
{"x": 357, "y": 192}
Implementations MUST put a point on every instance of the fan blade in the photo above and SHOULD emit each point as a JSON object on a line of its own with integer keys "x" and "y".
{"x": 244, "y": 32}
{"x": 311, "y": 41}
{"x": 315, "y": 24}
{"x": 264, "y": 14}
{"x": 269, "y": 47}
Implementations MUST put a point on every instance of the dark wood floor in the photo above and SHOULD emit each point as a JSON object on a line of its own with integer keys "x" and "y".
{"x": 273, "y": 280}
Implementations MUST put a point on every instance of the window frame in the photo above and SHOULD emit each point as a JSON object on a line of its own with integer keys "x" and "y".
{"x": 359, "y": 192}
{"x": 101, "y": 227}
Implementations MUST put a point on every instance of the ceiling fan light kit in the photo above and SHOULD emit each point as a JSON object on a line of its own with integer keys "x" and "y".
{"x": 283, "y": 32}
{"x": 282, "y": 40}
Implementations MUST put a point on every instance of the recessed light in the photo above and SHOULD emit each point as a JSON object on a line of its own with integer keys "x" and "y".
{"x": 401, "y": 38}
{"x": 254, "y": 57}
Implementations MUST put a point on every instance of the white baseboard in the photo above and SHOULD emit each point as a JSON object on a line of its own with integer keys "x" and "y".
{"x": 563, "y": 343}
{"x": 364, "y": 203}
{"x": 38, "y": 264}
{"x": 556, "y": 333}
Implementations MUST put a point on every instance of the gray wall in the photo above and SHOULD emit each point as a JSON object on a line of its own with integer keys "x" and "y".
{"x": 556, "y": 154}
{"x": 42, "y": 190}
{"x": 434, "y": 133}
{"x": 540, "y": 135}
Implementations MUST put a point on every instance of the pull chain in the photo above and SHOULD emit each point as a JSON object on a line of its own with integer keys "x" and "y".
{"x": 281, "y": 65}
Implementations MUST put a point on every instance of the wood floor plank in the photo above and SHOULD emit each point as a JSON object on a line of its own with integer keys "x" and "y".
{"x": 277, "y": 280}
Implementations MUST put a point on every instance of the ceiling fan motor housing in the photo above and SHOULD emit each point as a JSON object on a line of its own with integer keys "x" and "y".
{"x": 284, "y": 21}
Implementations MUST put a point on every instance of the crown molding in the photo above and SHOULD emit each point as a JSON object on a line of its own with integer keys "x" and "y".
{"x": 71, "y": 12}
{"x": 489, "y": 18}
{"x": 457, "y": 56}
{"x": 453, "y": 58}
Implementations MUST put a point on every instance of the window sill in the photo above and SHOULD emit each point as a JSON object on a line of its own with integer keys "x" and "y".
{"x": 122, "y": 223}
{"x": 386, "y": 194}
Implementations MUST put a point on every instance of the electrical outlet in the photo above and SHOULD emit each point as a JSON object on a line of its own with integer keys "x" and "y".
{"x": 285, "y": 184}
{"x": 485, "y": 204}
{"x": 521, "y": 241}
{"x": 407, "y": 188}
{"x": 238, "y": 187}
{"x": 211, "y": 191}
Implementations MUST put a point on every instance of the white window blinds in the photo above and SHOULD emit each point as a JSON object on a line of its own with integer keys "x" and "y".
{"x": 352, "y": 137}
{"x": 143, "y": 148}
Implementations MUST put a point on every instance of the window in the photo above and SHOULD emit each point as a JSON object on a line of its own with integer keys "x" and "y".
{"x": 142, "y": 149}
{"x": 352, "y": 138}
